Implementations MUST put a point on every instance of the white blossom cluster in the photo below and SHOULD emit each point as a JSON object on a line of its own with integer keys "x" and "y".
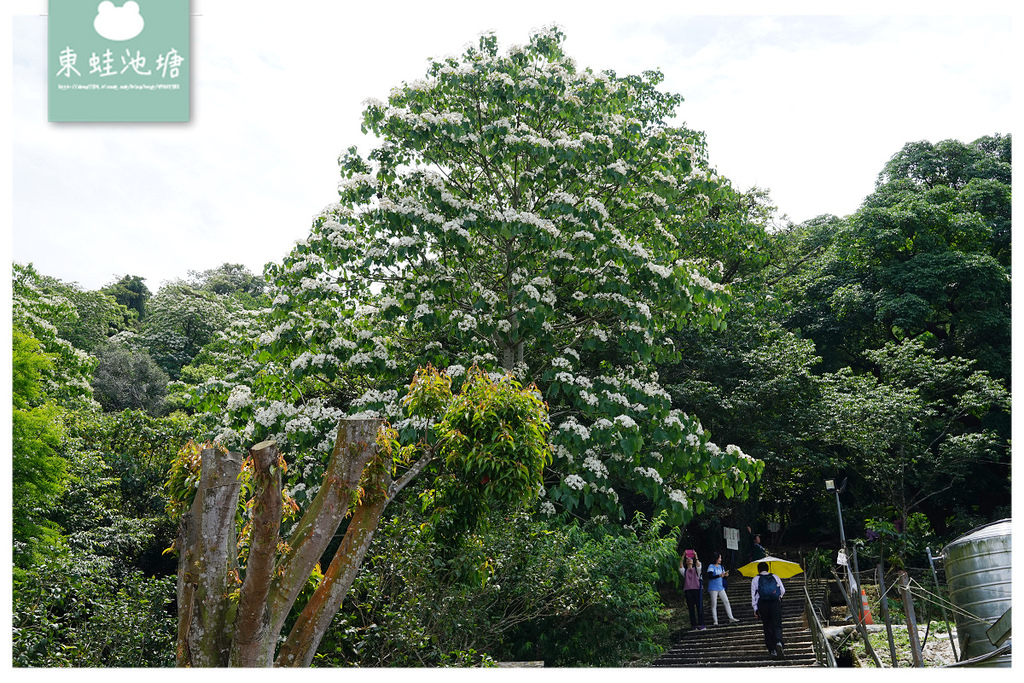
{"x": 679, "y": 497}
{"x": 649, "y": 472}
{"x": 592, "y": 463}
{"x": 240, "y": 397}
{"x": 575, "y": 481}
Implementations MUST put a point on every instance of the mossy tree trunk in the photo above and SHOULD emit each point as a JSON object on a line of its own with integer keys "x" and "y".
{"x": 207, "y": 560}
{"x": 225, "y": 620}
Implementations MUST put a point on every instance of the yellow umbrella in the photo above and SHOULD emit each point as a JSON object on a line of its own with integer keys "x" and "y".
{"x": 781, "y": 568}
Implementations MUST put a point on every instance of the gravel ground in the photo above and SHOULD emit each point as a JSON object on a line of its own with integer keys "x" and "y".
{"x": 936, "y": 652}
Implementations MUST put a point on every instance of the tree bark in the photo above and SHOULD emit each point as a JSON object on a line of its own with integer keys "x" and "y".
{"x": 215, "y": 629}
{"x": 311, "y": 625}
{"x": 252, "y": 625}
{"x": 354, "y": 448}
{"x": 208, "y": 557}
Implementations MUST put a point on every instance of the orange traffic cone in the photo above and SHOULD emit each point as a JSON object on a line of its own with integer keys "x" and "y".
{"x": 865, "y": 609}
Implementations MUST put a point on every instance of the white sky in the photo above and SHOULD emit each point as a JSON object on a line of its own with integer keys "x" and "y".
{"x": 809, "y": 107}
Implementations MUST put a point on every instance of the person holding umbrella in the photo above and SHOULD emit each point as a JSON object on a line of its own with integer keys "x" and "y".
{"x": 766, "y": 591}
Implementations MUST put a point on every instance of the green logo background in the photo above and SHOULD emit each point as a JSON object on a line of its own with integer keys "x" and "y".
{"x": 144, "y": 78}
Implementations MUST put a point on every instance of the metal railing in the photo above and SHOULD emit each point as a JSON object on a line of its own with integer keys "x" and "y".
{"x": 822, "y": 649}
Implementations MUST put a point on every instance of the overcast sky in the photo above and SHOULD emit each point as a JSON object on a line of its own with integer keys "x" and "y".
{"x": 809, "y": 107}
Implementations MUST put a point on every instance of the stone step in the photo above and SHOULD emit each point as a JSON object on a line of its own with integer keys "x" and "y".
{"x": 742, "y": 644}
{"x": 752, "y": 663}
{"x": 754, "y": 650}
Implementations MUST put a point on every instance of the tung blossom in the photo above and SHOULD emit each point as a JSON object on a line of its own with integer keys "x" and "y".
{"x": 679, "y": 497}
{"x": 649, "y": 472}
{"x": 575, "y": 481}
{"x": 240, "y": 397}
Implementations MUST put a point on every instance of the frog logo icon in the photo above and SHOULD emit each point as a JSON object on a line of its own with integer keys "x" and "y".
{"x": 118, "y": 23}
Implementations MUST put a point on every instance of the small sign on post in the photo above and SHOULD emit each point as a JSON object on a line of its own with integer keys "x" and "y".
{"x": 732, "y": 538}
{"x": 841, "y": 559}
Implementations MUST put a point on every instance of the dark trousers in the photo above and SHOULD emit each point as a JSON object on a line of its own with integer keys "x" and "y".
{"x": 696, "y": 607}
{"x": 771, "y": 619}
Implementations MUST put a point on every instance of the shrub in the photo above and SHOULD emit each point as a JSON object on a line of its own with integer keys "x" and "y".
{"x": 128, "y": 379}
{"x": 519, "y": 590}
{"x": 74, "y": 609}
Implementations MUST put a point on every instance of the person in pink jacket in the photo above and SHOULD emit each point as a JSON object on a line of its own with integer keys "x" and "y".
{"x": 693, "y": 585}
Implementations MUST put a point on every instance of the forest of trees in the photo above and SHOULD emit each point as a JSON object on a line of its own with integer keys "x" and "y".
{"x": 581, "y": 345}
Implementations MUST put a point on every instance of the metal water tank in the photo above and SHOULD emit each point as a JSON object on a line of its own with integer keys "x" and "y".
{"x": 979, "y": 575}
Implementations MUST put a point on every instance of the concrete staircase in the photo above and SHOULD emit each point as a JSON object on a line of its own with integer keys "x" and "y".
{"x": 742, "y": 644}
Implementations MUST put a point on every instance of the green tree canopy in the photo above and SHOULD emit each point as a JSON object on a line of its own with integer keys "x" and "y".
{"x": 92, "y": 317}
{"x": 522, "y": 215}
{"x": 926, "y": 257}
{"x": 41, "y": 312}
{"x": 131, "y": 292}
{"x": 38, "y": 473}
{"x": 128, "y": 379}
{"x": 181, "y": 320}
{"x": 228, "y": 278}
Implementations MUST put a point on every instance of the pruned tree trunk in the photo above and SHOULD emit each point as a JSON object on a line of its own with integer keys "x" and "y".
{"x": 353, "y": 449}
{"x": 207, "y": 561}
{"x": 253, "y": 621}
{"x": 226, "y": 621}
{"x": 309, "y": 629}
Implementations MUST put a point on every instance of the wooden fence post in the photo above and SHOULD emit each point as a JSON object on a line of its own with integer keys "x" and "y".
{"x": 885, "y": 611}
{"x": 908, "y": 608}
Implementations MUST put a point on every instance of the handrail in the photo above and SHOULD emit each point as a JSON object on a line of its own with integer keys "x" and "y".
{"x": 822, "y": 650}
{"x": 812, "y": 578}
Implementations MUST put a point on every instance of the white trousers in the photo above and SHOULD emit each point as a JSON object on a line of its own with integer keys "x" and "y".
{"x": 714, "y": 605}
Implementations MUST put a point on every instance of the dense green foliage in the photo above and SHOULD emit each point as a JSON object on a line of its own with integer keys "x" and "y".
{"x": 180, "y": 321}
{"x": 128, "y": 379}
{"x": 131, "y": 292}
{"x": 101, "y": 593}
{"x": 229, "y": 279}
{"x": 492, "y": 442}
{"x": 38, "y": 473}
{"x": 520, "y": 590}
{"x": 75, "y": 609}
{"x": 875, "y": 348}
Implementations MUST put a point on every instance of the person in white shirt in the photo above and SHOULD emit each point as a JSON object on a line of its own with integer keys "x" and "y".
{"x": 766, "y": 591}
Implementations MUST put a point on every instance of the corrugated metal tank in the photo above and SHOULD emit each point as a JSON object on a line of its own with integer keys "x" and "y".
{"x": 979, "y": 575}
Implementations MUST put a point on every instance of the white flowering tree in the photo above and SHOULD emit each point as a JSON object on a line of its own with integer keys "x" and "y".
{"x": 525, "y": 216}
{"x": 41, "y": 312}
{"x": 519, "y": 217}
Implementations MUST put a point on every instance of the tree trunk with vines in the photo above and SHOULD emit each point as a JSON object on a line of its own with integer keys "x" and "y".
{"x": 226, "y": 620}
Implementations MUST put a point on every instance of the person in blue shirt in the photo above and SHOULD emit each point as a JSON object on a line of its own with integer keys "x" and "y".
{"x": 716, "y": 588}
{"x": 766, "y": 591}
